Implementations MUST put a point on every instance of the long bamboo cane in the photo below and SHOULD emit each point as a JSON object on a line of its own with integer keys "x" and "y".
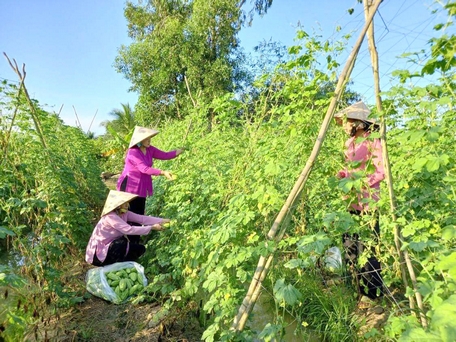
{"x": 389, "y": 178}
{"x": 33, "y": 113}
{"x": 287, "y": 209}
{"x": 8, "y": 133}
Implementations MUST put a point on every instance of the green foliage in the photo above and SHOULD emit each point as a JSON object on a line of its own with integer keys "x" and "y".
{"x": 182, "y": 51}
{"x": 50, "y": 193}
{"x": 233, "y": 180}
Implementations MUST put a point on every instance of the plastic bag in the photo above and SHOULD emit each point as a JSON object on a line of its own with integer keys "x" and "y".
{"x": 97, "y": 284}
{"x": 333, "y": 259}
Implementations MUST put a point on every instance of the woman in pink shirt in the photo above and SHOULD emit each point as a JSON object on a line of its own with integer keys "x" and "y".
{"x": 109, "y": 242}
{"x": 136, "y": 177}
{"x": 364, "y": 152}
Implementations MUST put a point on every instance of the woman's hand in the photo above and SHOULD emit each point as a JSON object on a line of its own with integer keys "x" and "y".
{"x": 342, "y": 174}
{"x": 168, "y": 175}
{"x": 157, "y": 226}
{"x": 161, "y": 226}
{"x": 180, "y": 150}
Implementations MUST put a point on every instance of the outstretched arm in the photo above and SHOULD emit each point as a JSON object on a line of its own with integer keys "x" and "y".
{"x": 135, "y": 158}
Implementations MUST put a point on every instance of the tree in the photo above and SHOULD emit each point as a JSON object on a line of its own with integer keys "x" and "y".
{"x": 124, "y": 120}
{"x": 184, "y": 53}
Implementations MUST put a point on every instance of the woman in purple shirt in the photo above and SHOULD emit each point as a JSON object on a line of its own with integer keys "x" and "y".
{"x": 109, "y": 242}
{"x": 136, "y": 177}
{"x": 363, "y": 152}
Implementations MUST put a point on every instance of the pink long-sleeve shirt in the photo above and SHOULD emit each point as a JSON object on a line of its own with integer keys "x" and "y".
{"x": 364, "y": 152}
{"x": 139, "y": 170}
{"x": 112, "y": 226}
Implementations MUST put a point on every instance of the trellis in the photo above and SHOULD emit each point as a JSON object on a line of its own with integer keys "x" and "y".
{"x": 280, "y": 224}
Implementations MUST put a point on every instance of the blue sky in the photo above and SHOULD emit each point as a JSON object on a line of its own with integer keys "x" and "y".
{"x": 69, "y": 46}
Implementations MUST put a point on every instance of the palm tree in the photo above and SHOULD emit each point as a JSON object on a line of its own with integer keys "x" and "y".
{"x": 123, "y": 122}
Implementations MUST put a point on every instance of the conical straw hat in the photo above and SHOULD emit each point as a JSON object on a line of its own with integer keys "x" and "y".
{"x": 115, "y": 199}
{"x": 357, "y": 111}
{"x": 140, "y": 134}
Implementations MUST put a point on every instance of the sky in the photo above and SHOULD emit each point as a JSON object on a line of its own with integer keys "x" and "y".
{"x": 69, "y": 47}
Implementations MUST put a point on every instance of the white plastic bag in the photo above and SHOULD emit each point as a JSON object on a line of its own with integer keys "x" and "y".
{"x": 333, "y": 259}
{"x": 97, "y": 284}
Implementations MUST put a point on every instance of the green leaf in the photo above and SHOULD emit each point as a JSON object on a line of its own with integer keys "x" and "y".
{"x": 316, "y": 243}
{"x": 271, "y": 332}
{"x": 408, "y": 230}
{"x": 433, "y": 135}
{"x": 448, "y": 263}
{"x": 433, "y": 164}
{"x": 215, "y": 279}
{"x": 419, "y": 164}
{"x": 294, "y": 263}
{"x": 444, "y": 317}
{"x": 5, "y": 231}
{"x": 286, "y": 293}
{"x": 416, "y": 136}
{"x": 346, "y": 184}
{"x": 448, "y": 233}
{"x": 418, "y": 334}
{"x": 438, "y": 27}
{"x": 417, "y": 246}
{"x": 209, "y": 333}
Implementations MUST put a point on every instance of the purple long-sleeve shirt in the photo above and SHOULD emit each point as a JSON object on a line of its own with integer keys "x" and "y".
{"x": 139, "y": 170}
{"x": 112, "y": 226}
{"x": 363, "y": 152}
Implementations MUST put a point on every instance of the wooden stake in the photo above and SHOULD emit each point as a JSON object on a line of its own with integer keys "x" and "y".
{"x": 290, "y": 204}
{"x": 389, "y": 178}
{"x": 8, "y": 133}
{"x": 33, "y": 113}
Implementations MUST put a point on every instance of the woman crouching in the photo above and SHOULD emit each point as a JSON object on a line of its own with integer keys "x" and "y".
{"x": 109, "y": 242}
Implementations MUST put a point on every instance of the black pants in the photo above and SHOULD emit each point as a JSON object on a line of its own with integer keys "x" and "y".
{"x": 117, "y": 252}
{"x": 368, "y": 277}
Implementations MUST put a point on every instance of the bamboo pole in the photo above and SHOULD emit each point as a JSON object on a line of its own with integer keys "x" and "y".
{"x": 389, "y": 178}
{"x": 33, "y": 113}
{"x": 8, "y": 134}
{"x": 287, "y": 209}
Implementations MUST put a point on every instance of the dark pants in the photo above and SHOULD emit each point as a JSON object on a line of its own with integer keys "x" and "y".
{"x": 137, "y": 206}
{"x": 368, "y": 277}
{"x": 117, "y": 252}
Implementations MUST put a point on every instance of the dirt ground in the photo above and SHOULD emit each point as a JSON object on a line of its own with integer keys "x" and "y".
{"x": 98, "y": 320}
{"x": 95, "y": 319}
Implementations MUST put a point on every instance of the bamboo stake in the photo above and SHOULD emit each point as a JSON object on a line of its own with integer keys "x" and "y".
{"x": 91, "y": 122}
{"x": 287, "y": 209}
{"x": 389, "y": 178}
{"x": 8, "y": 134}
{"x": 33, "y": 113}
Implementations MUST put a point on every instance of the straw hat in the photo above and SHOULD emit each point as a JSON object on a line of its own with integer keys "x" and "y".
{"x": 357, "y": 111}
{"x": 141, "y": 133}
{"x": 116, "y": 199}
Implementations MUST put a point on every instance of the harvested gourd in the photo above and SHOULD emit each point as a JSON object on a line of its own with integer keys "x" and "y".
{"x": 117, "y": 282}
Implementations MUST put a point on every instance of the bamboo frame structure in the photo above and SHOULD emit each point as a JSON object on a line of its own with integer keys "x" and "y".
{"x": 33, "y": 113}
{"x": 280, "y": 223}
{"x": 403, "y": 255}
{"x": 8, "y": 133}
